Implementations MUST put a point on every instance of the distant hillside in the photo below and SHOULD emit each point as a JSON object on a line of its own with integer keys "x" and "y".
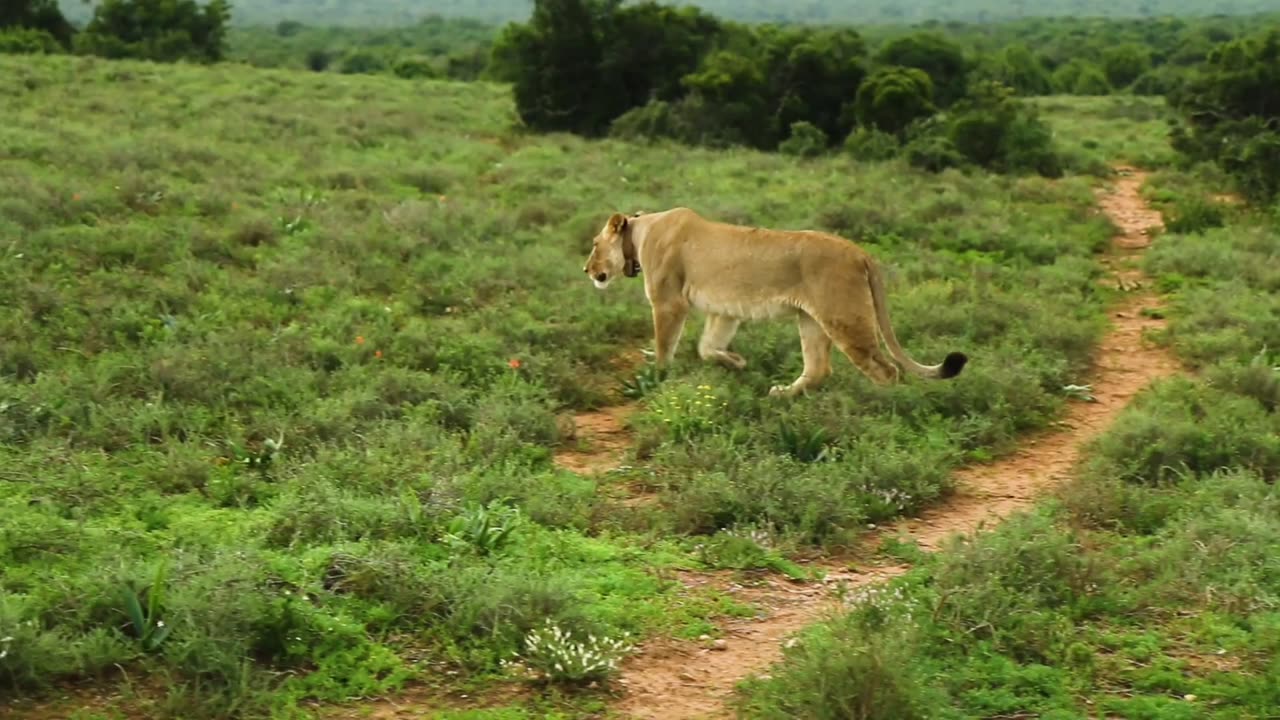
{"x": 395, "y": 12}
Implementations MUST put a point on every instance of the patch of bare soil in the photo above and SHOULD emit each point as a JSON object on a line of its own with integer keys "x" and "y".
{"x": 672, "y": 679}
{"x": 676, "y": 680}
{"x": 598, "y": 441}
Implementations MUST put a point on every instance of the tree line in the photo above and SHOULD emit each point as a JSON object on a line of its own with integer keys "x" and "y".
{"x": 399, "y": 13}
{"x": 163, "y": 30}
{"x": 940, "y": 94}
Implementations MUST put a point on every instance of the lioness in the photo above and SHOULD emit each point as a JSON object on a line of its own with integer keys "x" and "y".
{"x": 735, "y": 273}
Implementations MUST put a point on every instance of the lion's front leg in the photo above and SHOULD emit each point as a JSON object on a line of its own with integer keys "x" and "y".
{"x": 668, "y": 326}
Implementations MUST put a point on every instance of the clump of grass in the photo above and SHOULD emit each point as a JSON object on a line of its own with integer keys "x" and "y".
{"x": 1184, "y": 428}
{"x": 843, "y": 671}
{"x": 1195, "y": 216}
{"x": 558, "y": 656}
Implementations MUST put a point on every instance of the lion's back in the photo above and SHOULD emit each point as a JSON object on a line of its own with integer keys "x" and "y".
{"x": 755, "y": 273}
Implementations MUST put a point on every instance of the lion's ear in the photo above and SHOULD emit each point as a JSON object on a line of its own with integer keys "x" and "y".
{"x": 617, "y": 222}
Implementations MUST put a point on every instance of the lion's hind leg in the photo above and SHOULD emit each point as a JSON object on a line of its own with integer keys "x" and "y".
{"x": 857, "y": 338}
{"x": 816, "y": 346}
{"x": 714, "y": 343}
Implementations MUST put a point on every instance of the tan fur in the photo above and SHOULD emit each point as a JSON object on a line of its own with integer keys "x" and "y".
{"x": 735, "y": 273}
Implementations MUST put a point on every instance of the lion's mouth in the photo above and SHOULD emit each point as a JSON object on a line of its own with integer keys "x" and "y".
{"x": 601, "y": 280}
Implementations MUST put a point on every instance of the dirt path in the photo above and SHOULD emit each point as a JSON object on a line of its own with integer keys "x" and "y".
{"x": 600, "y": 440}
{"x": 675, "y": 680}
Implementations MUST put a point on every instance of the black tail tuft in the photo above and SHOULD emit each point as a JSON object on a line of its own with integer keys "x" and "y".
{"x": 952, "y": 365}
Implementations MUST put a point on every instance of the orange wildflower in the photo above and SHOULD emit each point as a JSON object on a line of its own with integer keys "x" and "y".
{"x": 514, "y": 363}
{"x": 76, "y": 197}
{"x": 359, "y": 339}
{"x": 377, "y": 354}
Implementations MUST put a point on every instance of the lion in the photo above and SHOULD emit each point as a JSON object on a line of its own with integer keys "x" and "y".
{"x": 736, "y": 273}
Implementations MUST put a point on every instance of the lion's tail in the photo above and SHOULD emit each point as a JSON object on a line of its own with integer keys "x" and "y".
{"x": 950, "y": 366}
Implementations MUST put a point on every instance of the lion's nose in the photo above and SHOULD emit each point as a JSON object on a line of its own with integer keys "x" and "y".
{"x": 602, "y": 277}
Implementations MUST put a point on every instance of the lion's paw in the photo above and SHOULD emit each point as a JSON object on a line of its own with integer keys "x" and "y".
{"x": 781, "y": 391}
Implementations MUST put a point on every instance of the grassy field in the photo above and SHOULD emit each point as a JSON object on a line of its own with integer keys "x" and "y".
{"x": 1095, "y": 132}
{"x": 289, "y": 355}
{"x": 1148, "y": 588}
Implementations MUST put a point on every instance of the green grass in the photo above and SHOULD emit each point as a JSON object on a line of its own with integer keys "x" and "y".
{"x": 1095, "y": 132}
{"x": 1149, "y": 589}
{"x": 256, "y": 373}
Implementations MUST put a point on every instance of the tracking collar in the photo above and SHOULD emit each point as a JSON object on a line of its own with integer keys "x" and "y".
{"x": 630, "y": 263}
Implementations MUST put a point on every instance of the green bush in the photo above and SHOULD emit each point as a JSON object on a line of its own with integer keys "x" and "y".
{"x": 892, "y": 98}
{"x": 656, "y": 119}
{"x": 1091, "y": 81}
{"x": 318, "y": 60}
{"x": 1230, "y": 109}
{"x": 806, "y": 140}
{"x": 161, "y": 30}
{"x": 30, "y": 21}
{"x": 1019, "y": 68}
{"x": 1152, "y": 83}
{"x": 1080, "y": 77}
{"x": 28, "y": 41}
{"x": 1226, "y": 308}
{"x": 842, "y": 671}
{"x": 360, "y": 62}
{"x": 871, "y": 145}
{"x": 415, "y": 68}
{"x": 937, "y": 56}
{"x": 1123, "y": 64}
{"x": 1183, "y": 429}
{"x": 933, "y": 152}
{"x": 993, "y": 129}
{"x": 1195, "y": 216}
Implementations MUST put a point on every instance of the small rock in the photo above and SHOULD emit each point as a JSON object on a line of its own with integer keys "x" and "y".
{"x": 704, "y": 638}
{"x": 687, "y": 677}
{"x": 720, "y": 644}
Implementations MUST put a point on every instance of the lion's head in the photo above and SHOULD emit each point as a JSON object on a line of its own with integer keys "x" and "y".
{"x": 612, "y": 253}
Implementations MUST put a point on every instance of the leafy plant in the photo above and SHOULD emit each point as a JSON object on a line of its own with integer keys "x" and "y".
{"x": 644, "y": 382}
{"x": 485, "y": 529}
{"x": 812, "y": 444}
{"x": 143, "y": 607}
{"x": 260, "y": 459}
